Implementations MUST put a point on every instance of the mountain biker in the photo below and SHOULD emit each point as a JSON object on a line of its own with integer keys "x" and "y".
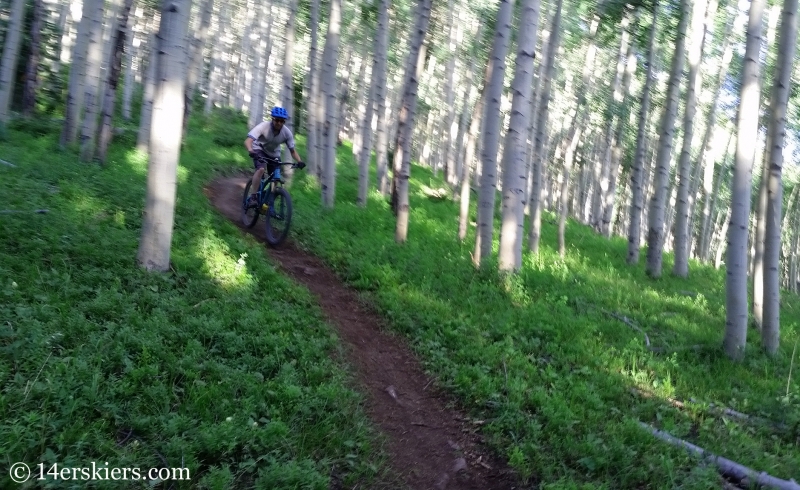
{"x": 265, "y": 140}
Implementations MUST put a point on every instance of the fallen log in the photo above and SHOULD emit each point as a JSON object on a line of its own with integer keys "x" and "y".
{"x": 726, "y": 467}
{"x": 16, "y": 211}
{"x": 624, "y": 319}
{"x": 669, "y": 350}
{"x": 7, "y": 163}
{"x": 719, "y": 410}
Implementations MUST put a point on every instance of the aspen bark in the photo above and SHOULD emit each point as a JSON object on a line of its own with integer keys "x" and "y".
{"x": 165, "y": 140}
{"x": 746, "y": 125}
{"x": 515, "y": 175}
{"x": 770, "y": 332}
{"x": 658, "y": 203}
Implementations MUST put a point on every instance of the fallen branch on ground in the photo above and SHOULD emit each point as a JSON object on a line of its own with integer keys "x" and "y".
{"x": 727, "y": 467}
{"x": 719, "y": 410}
{"x": 201, "y": 302}
{"x": 7, "y": 163}
{"x": 16, "y": 211}
{"x": 624, "y": 319}
{"x": 743, "y": 416}
{"x": 665, "y": 350}
{"x": 630, "y": 323}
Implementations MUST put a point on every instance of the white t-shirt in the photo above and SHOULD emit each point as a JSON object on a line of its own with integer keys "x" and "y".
{"x": 267, "y": 141}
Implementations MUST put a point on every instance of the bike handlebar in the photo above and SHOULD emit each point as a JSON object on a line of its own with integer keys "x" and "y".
{"x": 270, "y": 161}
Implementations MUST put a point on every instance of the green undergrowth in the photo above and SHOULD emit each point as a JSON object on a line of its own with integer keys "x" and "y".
{"x": 547, "y": 359}
{"x": 221, "y": 365}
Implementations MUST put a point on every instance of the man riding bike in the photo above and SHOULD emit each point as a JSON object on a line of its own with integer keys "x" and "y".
{"x": 265, "y": 139}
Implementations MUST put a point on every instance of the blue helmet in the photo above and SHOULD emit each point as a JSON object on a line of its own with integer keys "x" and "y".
{"x": 279, "y": 112}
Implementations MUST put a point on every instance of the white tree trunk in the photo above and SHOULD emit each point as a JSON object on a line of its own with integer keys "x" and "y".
{"x": 32, "y": 70}
{"x": 382, "y": 137}
{"x": 145, "y": 120}
{"x": 770, "y": 333}
{"x": 110, "y": 92}
{"x": 405, "y": 127}
{"x": 746, "y": 127}
{"x": 756, "y": 264}
{"x": 447, "y": 137}
{"x": 721, "y": 242}
{"x": 682, "y": 235}
{"x": 469, "y": 157}
{"x": 262, "y": 51}
{"x": 578, "y": 119}
{"x": 569, "y": 159}
{"x": 602, "y": 167}
{"x": 313, "y": 109}
{"x": 11, "y": 47}
{"x": 515, "y": 173}
{"x": 216, "y": 61}
{"x": 491, "y": 134}
{"x": 708, "y": 231}
{"x": 131, "y": 57}
{"x": 77, "y": 79}
{"x": 699, "y": 167}
{"x": 608, "y": 204}
{"x": 462, "y": 137}
{"x": 165, "y": 138}
{"x": 365, "y": 145}
{"x": 539, "y": 154}
{"x": 794, "y": 272}
{"x": 637, "y": 171}
{"x": 655, "y": 234}
{"x": 330, "y": 58}
{"x": 705, "y": 149}
{"x": 92, "y": 92}
{"x": 287, "y": 93}
{"x": 198, "y": 42}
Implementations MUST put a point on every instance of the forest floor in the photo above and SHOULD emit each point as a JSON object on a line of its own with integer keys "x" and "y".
{"x": 430, "y": 442}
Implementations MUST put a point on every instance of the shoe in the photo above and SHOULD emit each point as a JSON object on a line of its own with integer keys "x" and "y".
{"x": 252, "y": 201}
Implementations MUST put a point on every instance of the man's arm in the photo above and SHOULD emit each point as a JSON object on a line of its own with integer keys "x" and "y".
{"x": 253, "y": 134}
{"x": 295, "y": 155}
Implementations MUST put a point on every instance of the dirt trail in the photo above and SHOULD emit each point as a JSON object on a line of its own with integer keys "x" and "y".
{"x": 431, "y": 445}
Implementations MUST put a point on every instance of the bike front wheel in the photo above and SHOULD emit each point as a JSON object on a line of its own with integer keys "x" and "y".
{"x": 278, "y": 217}
{"x": 249, "y": 213}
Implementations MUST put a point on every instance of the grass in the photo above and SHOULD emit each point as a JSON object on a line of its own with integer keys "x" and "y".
{"x": 222, "y": 365}
{"x": 246, "y": 395}
{"x": 540, "y": 359}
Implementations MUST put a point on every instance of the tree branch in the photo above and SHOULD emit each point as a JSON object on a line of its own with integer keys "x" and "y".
{"x": 726, "y": 467}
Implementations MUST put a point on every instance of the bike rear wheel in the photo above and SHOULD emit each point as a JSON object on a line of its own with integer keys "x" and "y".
{"x": 249, "y": 213}
{"x": 278, "y": 217}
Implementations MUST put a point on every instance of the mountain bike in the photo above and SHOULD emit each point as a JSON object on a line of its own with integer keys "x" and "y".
{"x": 273, "y": 201}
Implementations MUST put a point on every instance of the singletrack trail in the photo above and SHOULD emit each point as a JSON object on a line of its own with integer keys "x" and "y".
{"x": 430, "y": 444}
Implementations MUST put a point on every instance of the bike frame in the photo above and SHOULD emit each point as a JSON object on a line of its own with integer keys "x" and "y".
{"x": 268, "y": 185}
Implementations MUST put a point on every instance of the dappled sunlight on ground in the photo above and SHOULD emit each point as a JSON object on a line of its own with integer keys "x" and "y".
{"x": 137, "y": 161}
{"x": 224, "y": 267}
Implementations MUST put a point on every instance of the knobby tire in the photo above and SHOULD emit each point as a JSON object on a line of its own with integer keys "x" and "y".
{"x": 279, "y": 217}
{"x": 249, "y": 213}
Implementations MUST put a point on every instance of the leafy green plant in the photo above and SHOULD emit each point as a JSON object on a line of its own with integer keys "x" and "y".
{"x": 228, "y": 127}
{"x": 548, "y": 358}
{"x": 101, "y": 361}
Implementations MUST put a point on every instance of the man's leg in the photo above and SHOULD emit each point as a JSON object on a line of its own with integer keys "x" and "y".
{"x": 254, "y": 183}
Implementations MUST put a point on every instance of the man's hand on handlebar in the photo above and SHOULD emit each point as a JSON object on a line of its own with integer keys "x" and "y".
{"x": 300, "y": 165}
